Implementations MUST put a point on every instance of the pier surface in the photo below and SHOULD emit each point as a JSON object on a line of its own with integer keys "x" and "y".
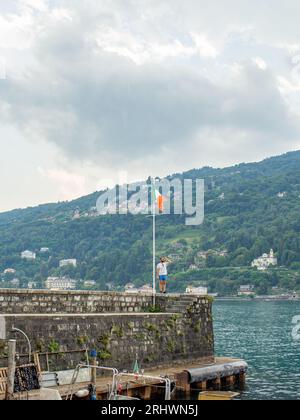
{"x": 176, "y": 373}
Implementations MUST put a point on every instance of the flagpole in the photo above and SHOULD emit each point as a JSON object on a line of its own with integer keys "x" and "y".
{"x": 154, "y": 241}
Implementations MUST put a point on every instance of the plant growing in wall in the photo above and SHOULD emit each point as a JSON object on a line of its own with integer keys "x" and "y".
{"x": 151, "y": 327}
{"x": 171, "y": 346}
{"x": 197, "y": 327}
{"x": 153, "y": 309}
{"x": 150, "y": 358}
{"x": 82, "y": 340}
{"x": 140, "y": 337}
{"x": 104, "y": 339}
{"x": 170, "y": 323}
{"x": 40, "y": 346}
{"x": 117, "y": 330}
{"x": 3, "y": 349}
{"x": 53, "y": 347}
{"x": 175, "y": 317}
{"x": 104, "y": 355}
{"x": 158, "y": 335}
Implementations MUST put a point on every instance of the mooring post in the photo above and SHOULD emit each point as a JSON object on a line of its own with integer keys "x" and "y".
{"x": 242, "y": 378}
{"x": 146, "y": 392}
{"x": 217, "y": 384}
{"x": 182, "y": 381}
{"x": 229, "y": 381}
{"x": 11, "y": 369}
{"x": 94, "y": 365}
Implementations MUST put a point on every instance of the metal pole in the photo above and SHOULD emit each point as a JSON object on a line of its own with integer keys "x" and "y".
{"x": 27, "y": 339}
{"x": 11, "y": 369}
{"x": 94, "y": 367}
{"x": 154, "y": 241}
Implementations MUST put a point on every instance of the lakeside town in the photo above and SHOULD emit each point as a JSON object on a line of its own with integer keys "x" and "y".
{"x": 268, "y": 261}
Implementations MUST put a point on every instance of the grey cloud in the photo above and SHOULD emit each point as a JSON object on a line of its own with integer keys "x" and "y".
{"x": 94, "y": 104}
{"x": 127, "y": 110}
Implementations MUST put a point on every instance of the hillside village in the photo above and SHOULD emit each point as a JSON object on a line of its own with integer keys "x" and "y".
{"x": 182, "y": 255}
{"x": 250, "y": 237}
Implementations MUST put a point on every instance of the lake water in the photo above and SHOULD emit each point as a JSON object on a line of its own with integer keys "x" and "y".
{"x": 261, "y": 334}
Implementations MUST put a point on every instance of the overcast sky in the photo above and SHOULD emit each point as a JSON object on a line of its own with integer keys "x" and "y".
{"x": 89, "y": 88}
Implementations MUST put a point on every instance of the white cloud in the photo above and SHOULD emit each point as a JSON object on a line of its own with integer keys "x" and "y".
{"x": 62, "y": 14}
{"x": 17, "y": 31}
{"x": 156, "y": 87}
{"x": 2, "y": 68}
{"x": 203, "y": 46}
{"x": 142, "y": 51}
{"x": 38, "y": 5}
{"x": 286, "y": 86}
{"x": 69, "y": 184}
{"x": 261, "y": 64}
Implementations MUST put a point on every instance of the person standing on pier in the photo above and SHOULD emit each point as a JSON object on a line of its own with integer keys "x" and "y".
{"x": 162, "y": 274}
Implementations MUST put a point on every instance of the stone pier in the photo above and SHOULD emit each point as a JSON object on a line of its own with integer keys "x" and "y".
{"x": 121, "y": 327}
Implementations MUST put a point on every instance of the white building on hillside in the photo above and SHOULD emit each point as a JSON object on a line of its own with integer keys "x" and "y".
{"x": 265, "y": 261}
{"x": 130, "y": 288}
{"x": 28, "y": 255}
{"x": 202, "y": 254}
{"x": 44, "y": 250}
{"x": 9, "y": 271}
{"x": 60, "y": 283}
{"x": 89, "y": 283}
{"x": 146, "y": 289}
{"x": 202, "y": 291}
{"x": 246, "y": 290}
{"x": 65, "y": 263}
{"x": 282, "y": 194}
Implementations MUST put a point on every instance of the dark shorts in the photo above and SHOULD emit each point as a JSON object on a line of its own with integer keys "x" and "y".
{"x": 163, "y": 278}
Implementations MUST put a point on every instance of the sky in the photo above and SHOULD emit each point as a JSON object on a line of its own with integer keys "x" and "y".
{"x": 91, "y": 88}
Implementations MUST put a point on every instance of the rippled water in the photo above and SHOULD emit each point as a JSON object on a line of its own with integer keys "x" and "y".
{"x": 261, "y": 334}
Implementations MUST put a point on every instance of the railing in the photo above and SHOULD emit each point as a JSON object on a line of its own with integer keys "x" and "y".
{"x": 114, "y": 371}
{"x": 166, "y": 380}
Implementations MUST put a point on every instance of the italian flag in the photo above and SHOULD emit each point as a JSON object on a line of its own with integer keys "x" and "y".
{"x": 159, "y": 199}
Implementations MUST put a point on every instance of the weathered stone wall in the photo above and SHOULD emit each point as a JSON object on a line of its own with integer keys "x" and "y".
{"x": 75, "y": 302}
{"x": 118, "y": 326}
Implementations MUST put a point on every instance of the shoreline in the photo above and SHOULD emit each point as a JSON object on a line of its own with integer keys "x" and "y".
{"x": 258, "y": 299}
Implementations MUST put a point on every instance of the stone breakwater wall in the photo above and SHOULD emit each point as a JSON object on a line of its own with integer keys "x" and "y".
{"x": 62, "y": 325}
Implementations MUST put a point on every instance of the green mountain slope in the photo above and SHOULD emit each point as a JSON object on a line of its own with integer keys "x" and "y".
{"x": 250, "y": 208}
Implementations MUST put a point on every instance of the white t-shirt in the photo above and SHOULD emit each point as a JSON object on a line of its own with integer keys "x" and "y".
{"x": 162, "y": 269}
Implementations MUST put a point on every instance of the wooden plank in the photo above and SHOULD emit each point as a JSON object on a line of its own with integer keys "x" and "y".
{"x": 37, "y": 363}
{"x": 217, "y": 396}
{"x": 3, "y": 380}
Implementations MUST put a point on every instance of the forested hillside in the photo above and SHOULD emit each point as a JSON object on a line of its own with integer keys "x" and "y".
{"x": 249, "y": 209}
